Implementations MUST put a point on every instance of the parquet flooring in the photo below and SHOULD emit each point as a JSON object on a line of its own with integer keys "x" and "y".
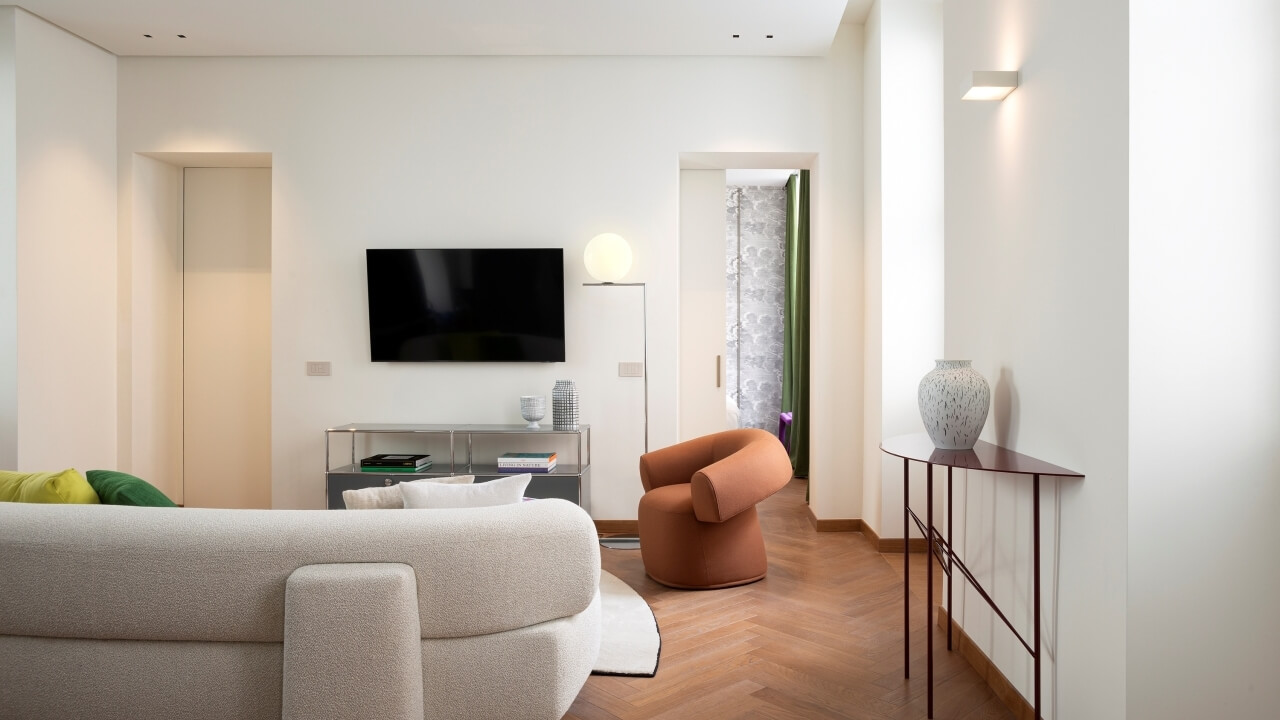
{"x": 819, "y": 637}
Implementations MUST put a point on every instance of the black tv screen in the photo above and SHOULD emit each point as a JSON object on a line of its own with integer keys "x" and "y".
{"x": 466, "y": 305}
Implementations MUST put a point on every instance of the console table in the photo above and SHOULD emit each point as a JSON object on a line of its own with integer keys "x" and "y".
{"x": 569, "y": 480}
{"x": 983, "y": 456}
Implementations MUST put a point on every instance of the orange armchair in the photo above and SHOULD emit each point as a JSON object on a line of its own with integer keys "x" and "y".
{"x": 697, "y": 518}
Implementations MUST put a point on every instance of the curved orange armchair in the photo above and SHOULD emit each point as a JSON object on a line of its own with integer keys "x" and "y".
{"x": 697, "y": 518}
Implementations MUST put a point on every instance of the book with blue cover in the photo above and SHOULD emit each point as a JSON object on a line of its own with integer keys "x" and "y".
{"x": 527, "y": 461}
{"x": 543, "y": 456}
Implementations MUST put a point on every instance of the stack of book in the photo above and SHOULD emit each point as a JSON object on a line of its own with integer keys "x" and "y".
{"x": 526, "y": 462}
{"x": 391, "y": 462}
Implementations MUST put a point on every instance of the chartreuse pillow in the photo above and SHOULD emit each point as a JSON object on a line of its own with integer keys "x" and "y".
{"x": 117, "y": 488}
{"x": 67, "y": 486}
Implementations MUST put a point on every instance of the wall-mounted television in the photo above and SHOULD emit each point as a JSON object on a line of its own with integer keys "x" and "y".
{"x": 466, "y": 305}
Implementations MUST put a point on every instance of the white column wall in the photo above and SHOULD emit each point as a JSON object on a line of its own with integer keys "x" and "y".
{"x": 8, "y": 242}
{"x": 836, "y": 277}
{"x": 1037, "y": 296}
{"x": 872, "y": 224}
{"x": 66, "y": 249}
{"x": 1204, "y": 316}
{"x": 546, "y": 151}
{"x": 904, "y": 260}
{"x": 152, "y": 276}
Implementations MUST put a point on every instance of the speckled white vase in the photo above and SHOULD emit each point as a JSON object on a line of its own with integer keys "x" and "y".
{"x": 954, "y": 400}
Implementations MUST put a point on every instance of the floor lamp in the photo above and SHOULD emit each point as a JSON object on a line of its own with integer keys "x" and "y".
{"x": 608, "y": 258}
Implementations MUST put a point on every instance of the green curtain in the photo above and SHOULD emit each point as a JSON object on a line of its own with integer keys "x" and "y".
{"x": 795, "y": 324}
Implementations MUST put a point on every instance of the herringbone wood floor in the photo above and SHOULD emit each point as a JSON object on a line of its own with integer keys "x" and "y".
{"x": 820, "y": 637}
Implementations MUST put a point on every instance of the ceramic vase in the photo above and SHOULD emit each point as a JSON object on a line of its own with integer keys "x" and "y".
{"x": 564, "y": 405}
{"x": 533, "y": 408}
{"x": 954, "y": 400}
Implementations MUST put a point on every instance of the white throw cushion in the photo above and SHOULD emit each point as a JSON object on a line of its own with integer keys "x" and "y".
{"x": 503, "y": 491}
{"x": 388, "y": 498}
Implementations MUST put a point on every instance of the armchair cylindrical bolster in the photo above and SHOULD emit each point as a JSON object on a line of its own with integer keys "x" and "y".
{"x": 676, "y": 463}
{"x": 743, "y": 478}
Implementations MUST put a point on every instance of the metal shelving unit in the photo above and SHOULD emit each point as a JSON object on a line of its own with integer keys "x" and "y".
{"x": 570, "y": 480}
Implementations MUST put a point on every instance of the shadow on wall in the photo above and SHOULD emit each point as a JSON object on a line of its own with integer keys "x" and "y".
{"x": 1006, "y": 409}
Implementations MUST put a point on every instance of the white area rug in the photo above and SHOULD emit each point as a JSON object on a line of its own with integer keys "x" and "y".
{"x": 629, "y": 640}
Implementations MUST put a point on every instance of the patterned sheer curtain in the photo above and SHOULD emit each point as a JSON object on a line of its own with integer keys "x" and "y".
{"x": 755, "y": 268}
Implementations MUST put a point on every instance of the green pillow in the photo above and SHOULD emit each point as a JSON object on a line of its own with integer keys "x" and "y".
{"x": 67, "y": 486}
{"x": 117, "y": 488}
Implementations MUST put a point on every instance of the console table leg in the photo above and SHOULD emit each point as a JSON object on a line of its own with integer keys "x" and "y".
{"x": 951, "y": 549}
{"x": 906, "y": 568}
{"x": 1035, "y": 563}
{"x": 928, "y": 581}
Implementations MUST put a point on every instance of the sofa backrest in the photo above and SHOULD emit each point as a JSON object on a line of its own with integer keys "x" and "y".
{"x": 107, "y": 572}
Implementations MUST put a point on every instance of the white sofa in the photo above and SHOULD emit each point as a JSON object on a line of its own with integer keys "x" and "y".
{"x": 125, "y": 612}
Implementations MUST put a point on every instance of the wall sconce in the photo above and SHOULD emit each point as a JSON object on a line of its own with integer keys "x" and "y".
{"x": 992, "y": 84}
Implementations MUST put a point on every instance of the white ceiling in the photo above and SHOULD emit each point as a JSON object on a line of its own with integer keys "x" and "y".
{"x": 454, "y": 27}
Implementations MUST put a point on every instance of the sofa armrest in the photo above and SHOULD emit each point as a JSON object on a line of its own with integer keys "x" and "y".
{"x": 745, "y": 477}
{"x": 352, "y": 644}
{"x": 676, "y": 463}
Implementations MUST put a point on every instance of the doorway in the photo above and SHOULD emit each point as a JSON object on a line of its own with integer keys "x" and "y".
{"x": 708, "y": 399}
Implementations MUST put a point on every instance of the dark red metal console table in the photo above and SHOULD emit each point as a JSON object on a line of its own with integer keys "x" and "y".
{"x": 983, "y": 456}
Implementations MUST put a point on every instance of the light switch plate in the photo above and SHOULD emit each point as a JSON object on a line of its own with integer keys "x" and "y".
{"x": 630, "y": 369}
{"x": 318, "y": 368}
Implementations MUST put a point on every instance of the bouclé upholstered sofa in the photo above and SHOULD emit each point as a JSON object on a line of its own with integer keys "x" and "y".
{"x": 127, "y": 612}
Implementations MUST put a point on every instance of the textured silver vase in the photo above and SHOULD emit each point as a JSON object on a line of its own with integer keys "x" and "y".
{"x": 564, "y": 405}
{"x": 954, "y": 399}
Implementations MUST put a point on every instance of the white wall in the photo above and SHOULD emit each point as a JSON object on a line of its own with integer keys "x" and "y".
{"x": 873, "y": 239}
{"x": 226, "y": 337}
{"x": 1037, "y": 295}
{"x": 702, "y": 303}
{"x": 411, "y": 152}
{"x": 904, "y": 266}
{"x": 8, "y": 244}
{"x": 1204, "y": 316}
{"x": 66, "y": 249}
{"x": 151, "y": 274}
{"x": 835, "y": 260}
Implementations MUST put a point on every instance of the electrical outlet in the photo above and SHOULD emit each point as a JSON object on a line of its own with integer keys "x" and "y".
{"x": 318, "y": 368}
{"x": 630, "y": 369}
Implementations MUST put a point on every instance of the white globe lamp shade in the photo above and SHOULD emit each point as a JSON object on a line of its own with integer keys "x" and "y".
{"x": 608, "y": 257}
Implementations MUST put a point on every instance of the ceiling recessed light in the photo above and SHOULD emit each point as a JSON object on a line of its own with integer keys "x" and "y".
{"x": 146, "y": 34}
{"x": 770, "y": 37}
{"x": 737, "y": 35}
{"x": 184, "y": 37}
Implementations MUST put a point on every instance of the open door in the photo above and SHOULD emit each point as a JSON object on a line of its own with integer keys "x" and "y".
{"x": 702, "y": 304}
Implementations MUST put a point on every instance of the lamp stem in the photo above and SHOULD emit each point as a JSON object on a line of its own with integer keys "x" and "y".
{"x": 644, "y": 304}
